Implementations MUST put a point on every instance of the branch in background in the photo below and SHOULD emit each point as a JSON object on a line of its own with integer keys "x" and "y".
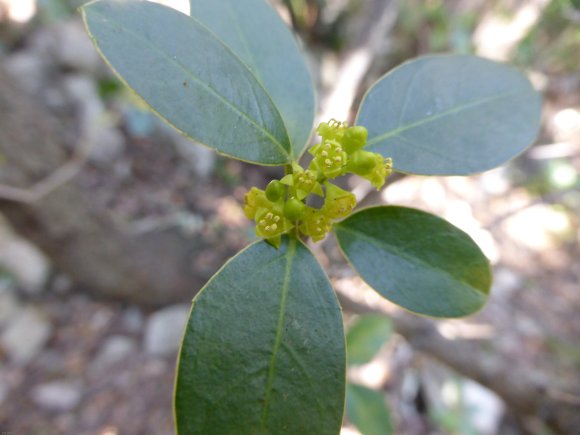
{"x": 372, "y": 30}
{"x": 525, "y": 392}
{"x": 52, "y": 182}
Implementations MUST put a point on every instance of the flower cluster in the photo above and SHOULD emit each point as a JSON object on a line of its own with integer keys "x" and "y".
{"x": 282, "y": 207}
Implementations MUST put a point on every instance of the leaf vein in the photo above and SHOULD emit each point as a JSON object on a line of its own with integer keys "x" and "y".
{"x": 400, "y": 129}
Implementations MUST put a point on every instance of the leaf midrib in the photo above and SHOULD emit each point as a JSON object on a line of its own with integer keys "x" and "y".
{"x": 285, "y": 152}
{"x": 279, "y": 332}
{"x": 402, "y": 128}
{"x": 411, "y": 259}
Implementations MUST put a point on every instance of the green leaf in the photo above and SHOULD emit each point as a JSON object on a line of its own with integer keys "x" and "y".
{"x": 366, "y": 336}
{"x": 450, "y": 115}
{"x": 416, "y": 260}
{"x": 367, "y": 410}
{"x": 257, "y": 35}
{"x": 263, "y": 352}
{"x": 189, "y": 78}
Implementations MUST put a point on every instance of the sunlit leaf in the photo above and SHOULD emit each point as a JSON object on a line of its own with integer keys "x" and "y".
{"x": 416, "y": 260}
{"x": 257, "y": 35}
{"x": 450, "y": 115}
{"x": 190, "y": 78}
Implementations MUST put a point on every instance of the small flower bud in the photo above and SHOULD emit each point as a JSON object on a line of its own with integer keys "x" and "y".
{"x": 275, "y": 190}
{"x": 294, "y": 209}
{"x": 355, "y": 138}
{"x": 361, "y": 162}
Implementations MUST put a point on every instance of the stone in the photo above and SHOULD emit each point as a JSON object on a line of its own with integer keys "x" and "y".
{"x": 107, "y": 142}
{"x": 9, "y": 305}
{"x": 114, "y": 349}
{"x": 26, "y": 335}
{"x": 164, "y": 330}
{"x": 60, "y": 396}
{"x": 133, "y": 320}
{"x": 28, "y": 69}
{"x": 73, "y": 48}
{"x": 23, "y": 261}
{"x": 26, "y": 263}
{"x": 200, "y": 158}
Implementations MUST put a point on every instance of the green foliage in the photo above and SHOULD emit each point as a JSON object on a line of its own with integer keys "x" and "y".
{"x": 417, "y": 260}
{"x": 450, "y": 115}
{"x": 367, "y": 408}
{"x": 366, "y": 336}
{"x": 368, "y": 411}
{"x": 264, "y": 349}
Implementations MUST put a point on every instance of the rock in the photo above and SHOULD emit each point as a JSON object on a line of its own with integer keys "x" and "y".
{"x": 26, "y": 263}
{"x": 107, "y": 141}
{"x": 201, "y": 159}
{"x": 9, "y": 306}
{"x": 487, "y": 409}
{"x": 28, "y": 69}
{"x": 23, "y": 261}
{"x": 25, "y": 337}
{"x": 115, "y": 348}
{"x": 164, "y": 330}
{"x": 133, "y": 320}
{"x": 61, "y": 396}
{"x": 109, "y": 144}
{"x": 73, "y": 48}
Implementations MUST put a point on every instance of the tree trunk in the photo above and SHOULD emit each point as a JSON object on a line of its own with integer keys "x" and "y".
{"x": 151, "y": 269}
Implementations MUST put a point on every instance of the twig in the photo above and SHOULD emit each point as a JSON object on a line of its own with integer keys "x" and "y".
{"x": 49, "y": 184}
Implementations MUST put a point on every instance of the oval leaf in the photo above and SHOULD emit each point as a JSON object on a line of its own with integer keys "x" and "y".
{"x": 263, "y": 351}
{"x": 190, "y": 78}
{"x": 368, "y": 411}
{"x": 257, "y": 35}
{"x": 450, "y": 115}
{"x": 366, "y": 336}
{"x": 416, "y": 260}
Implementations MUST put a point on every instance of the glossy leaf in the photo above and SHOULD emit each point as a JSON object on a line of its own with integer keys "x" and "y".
{"x": 257, "y": 35}
{"x": 368, "y": 411}
{"x": 450, "y": 115}
{"x": 263, "y": 352}
{"x": 366, "y": 336}
{"x": 416, "y": 260}
{"x": 190, "y": 78}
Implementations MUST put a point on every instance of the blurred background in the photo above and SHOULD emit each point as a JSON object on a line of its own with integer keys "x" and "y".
{"x": 110, "y": 222}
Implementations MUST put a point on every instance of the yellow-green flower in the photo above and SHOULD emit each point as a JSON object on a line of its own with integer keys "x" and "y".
{"x": 271, "y": 223}
{"x": 253, "y": 200}
{"x": 382, "y": 169}
{"x": 329, "y": 158}
{"x": 304, "y": 182}
{"x": 332, "y": 130}
{"x": 316, "y": 224}
{"x": 338, "y": 202}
